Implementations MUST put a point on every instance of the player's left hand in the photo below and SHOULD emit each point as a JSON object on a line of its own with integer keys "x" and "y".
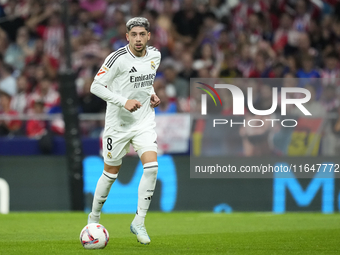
{"x": 155, "y": 101}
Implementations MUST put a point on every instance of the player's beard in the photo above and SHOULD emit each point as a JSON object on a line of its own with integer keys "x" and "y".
{"x": 141, "y": 49}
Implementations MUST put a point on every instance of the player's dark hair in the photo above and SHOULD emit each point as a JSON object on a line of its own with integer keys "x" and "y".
{"x": 138, "y": 22}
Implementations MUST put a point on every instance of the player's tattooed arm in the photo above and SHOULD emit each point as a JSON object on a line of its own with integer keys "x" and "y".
{"x": 155, "y": 101}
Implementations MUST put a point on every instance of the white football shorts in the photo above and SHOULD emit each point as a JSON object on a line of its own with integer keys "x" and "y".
{"x": 116, "y": 144}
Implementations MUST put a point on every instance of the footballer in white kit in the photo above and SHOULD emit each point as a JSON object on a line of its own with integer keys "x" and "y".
{"x": 128, "y": 76}
{"x": 125, "y": 82}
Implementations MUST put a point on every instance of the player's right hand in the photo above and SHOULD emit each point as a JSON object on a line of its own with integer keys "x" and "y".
{"x": 132, "y": 105}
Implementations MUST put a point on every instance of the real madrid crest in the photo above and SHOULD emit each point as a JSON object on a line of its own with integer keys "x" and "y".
{"x": 153, "y": 65}
{"x": 109, "y": 155}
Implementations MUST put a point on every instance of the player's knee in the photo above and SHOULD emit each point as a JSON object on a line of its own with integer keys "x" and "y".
{"x": 151, "y": 168}
{"x": 112, "y": 169}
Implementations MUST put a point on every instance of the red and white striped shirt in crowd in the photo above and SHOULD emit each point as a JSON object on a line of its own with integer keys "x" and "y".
{"x": 53, "y": 39}
{"x": 50, "y": 99}
{"x": 243, "y": 10}
{"x": 330, "y": 77}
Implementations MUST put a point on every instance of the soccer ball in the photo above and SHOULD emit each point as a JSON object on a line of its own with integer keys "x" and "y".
{"x": 94, "y": 236}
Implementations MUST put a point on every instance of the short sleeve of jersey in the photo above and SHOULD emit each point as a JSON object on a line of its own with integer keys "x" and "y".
{"x": 109, "y": 70}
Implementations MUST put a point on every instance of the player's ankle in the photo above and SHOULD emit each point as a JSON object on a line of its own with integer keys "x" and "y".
{"x": 96, "y": 214}
{"x": 138, "y": 219}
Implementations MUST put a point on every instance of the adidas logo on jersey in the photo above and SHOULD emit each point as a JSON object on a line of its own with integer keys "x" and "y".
{"x": 133, "y": 69}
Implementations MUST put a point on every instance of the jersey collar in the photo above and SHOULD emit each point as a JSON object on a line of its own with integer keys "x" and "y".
{"x": 128, "y": 49}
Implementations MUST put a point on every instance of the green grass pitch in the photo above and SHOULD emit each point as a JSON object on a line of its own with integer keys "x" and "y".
{"x": 175, "y": 233}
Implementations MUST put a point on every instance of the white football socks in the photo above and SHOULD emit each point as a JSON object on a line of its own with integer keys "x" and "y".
{"x": 145, "y": 190}
{"x": 102, "y": 191}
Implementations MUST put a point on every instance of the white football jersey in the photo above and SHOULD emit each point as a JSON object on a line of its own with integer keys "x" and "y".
{"x": 131, "y": 77}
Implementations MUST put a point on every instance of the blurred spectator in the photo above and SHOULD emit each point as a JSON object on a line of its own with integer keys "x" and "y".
{"x": 8, "y": 126}
{"x": 224, "y": 42}
{"x": 175, "y": 59}
{"x": 329, "y": 99}
{"x": 308, "y": 68}
{"x": 278, "y": 70}
{"x": 245, "y": 62}
{"x": 164, "y": 23}
{"x": 29, "y": 72}
{"x": 12, "y": 20}
{"x": 204, "y": 73}
{"x": 243, "y": 10}
{"x": 17, "y": 52}
{"x": 84, "y": 22}
{"x": 53, "y": 35}
{"x": 96, "y": 8}
{"x": 90, "y": 103}
{"x": 326, "y": 25}
{"x": 261, "y": 68}
{"x": 335, "y": 123}
{"x": 331, "y": 70}
{"x": 89, "y": 67}
{"x": 206, "y": 58}
{"x": 48, "y": 26}
{"x": 160, "y": 37}
{"x": 158, "y": 84}
{"x": 281, "y": 35}
{"x": 269, "y": 22}
{"x": 304, "y": 46}
{"x": 36, "y": 128}
{"x": 119, "y": 40}
{"x": 211, "y": 29}
{"x": 229, "y": 68}
{"x": 115, "y": 13}
{"x": 187, "y": 22}
{"x": 3, "y": 42}
{"x": 46, "y": 93}
{"x": 7, "y": 81}
{"x": 315, "y": 35}
{"x": 303, "y": 17}
{"x": 37, "y": 14}
{"x": 290, "y": 81}
{"x": 291, "y": 64}
{"x": 336, "y": 28}
{"x": 40, "y": 57}
{"x": 136, "y": 8}
{"x": 176, "y": 87}
{"x": 86, "y": 45}
{"x": 20, "y": 100}
{"x": 57, "y": 125}
{"x": 73, "y": 10}
{"x": 188, "y": 71}
{"x": 254, "y": 29}
{"x": 308, "y": 74}
{"x": 41, "y": 73}
{"x": 165, "y": 106}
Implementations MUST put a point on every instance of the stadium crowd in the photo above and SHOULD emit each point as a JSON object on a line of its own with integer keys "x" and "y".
{"x": 205, "y": 39}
